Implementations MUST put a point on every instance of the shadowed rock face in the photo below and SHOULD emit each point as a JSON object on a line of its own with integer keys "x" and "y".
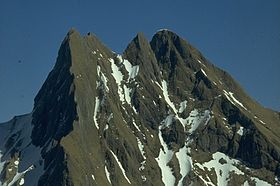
{"x": 55, "y": 108}
{"x": 159, "y": 114}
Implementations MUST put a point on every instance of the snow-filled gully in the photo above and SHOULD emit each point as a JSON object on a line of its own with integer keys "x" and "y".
{"x": 194, "y": 120}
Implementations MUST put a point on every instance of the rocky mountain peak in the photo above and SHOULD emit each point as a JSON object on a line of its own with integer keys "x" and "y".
{"x": 140, "y": 40}
{"x": 159, "y": 114}
{"x": 167, "y": 42}
{"x": 139, "y": 52}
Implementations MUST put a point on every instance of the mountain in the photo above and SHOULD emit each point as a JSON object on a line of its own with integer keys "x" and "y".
{"x": 159, "y": 114}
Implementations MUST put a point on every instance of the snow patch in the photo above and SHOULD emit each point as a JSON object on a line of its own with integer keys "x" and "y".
{"x": 118, "y": 76}
{"x": 103, "y": 78}
{"x": 123, "y": 90}
{"x": 260, "y": 182}
{"x": 196, "y": 119}
{"x": 141, "y": 147}
{"x": 183, "y": 106}
{"x": 222, "y": 170}
{"x": 167, "y": 121}
{"x": 92, "y": 176}
{"x": 143, "y": 178}
{"x": 21, "y": 182}
{"x": 132, "y": 70}
{"x": 246, "y": 183}
{"x": 166, "y": 96}
{"x": 127, "y": 92}
{"x": 16, "y": 163}
{"x": 185, "y": 162}
{"x": 240, "y": 131}
{"x": 106, "y": 127}
{"x": 164, "y": 157}
{"x": 111, "y": 116}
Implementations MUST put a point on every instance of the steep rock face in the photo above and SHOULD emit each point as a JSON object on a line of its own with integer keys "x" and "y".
{"x": 160, "y": 114}
{"x": 53, "y": 120}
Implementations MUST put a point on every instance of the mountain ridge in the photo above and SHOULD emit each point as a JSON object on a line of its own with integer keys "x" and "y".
{"x": 151, "y": 116}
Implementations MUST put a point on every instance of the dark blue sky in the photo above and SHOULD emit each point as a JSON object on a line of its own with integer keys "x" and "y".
{"x": 242, "y": 37}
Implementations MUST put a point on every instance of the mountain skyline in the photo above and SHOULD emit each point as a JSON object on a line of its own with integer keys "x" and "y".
{"x": 159, "y": 114}
{"x": 240, "y": 37}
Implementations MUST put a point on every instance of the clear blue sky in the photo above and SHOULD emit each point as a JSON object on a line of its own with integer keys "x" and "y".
{"x": 242, "y": 37}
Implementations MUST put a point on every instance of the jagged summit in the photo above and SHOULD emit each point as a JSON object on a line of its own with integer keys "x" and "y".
{"x": 165, "y": 32}
{"x": 72, "y": 31}
{"x": 140, "y": 41}
{"x": 159, "y": 114}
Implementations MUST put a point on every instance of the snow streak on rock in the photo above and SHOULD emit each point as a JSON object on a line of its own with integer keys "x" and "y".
{"x": 262, "y": 122}
{"x": 107, "y": 174}
{"x": 165, "y": 155}
{"x": 141, "y": 149}
{"x": 201, "y": 62}
{"x": 166, "y": 96}
{"x": 124, "y": 89}
{"x": 96, "y": 109}
{"x": 233, "y": 100}
{"x": 185, "y": 162}
{"x": 132, "y": 70}
{"x": 127, "y": 94}
{"x": 118, "y": 76}
{"x": 103, "y": 79}
{"x": 203, "y": 72}
{"x": 194, "y": 120}
{"x": 135, "y": 125}
{"x": 121, "y": 167}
